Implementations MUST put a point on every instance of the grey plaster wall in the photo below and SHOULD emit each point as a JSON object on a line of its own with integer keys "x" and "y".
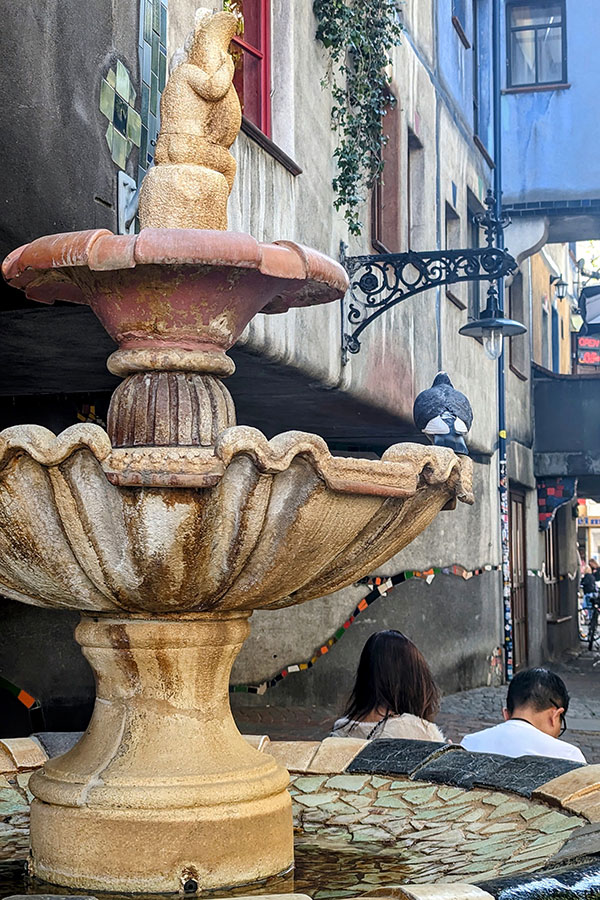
{"x": 453, "y": 622}
{"x": 58, "y": 174}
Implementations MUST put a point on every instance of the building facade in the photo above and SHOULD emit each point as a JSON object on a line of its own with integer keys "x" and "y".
{"x": 74, "y": 164}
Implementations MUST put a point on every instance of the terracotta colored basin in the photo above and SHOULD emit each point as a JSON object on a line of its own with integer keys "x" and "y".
{"x": 178, "y": 290}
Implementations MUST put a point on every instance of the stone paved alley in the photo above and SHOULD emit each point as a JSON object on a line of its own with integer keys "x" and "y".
{"x": 460, "y": 713}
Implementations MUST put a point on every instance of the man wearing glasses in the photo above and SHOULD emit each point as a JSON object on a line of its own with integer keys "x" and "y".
{"x": 534, "y": 719}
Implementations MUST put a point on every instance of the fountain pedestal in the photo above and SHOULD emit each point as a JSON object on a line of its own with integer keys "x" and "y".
{"x": 162, "y": 790}
{"x": 166, "y": 533}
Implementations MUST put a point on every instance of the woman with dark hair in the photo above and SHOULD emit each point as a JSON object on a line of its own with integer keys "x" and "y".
{"x": 394, "y": 695}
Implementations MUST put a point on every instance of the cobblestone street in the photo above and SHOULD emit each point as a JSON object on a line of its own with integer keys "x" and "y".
{"x": 460, "y": 713}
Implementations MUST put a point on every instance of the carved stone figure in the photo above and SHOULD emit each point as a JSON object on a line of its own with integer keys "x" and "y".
{"x": 200, "y": 119}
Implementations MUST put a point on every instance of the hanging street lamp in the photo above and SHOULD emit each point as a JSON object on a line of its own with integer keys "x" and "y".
{"x": 492, "y": 326}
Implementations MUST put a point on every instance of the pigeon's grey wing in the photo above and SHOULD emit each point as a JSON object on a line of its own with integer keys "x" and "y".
{"x": 425, "y": 408}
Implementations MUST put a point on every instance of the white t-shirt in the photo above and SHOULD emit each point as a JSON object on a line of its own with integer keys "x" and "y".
{"x": 518, "y": 738}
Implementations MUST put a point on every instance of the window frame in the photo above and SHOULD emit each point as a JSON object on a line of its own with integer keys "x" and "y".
{"x": 386, "y": 221}
{"x": 517, "y": 348}
{"x": 263, "y": 55}
{"x": 540, "y": 4}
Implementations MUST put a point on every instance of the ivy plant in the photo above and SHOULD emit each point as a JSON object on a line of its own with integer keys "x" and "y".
{"x": 359, "y": 35}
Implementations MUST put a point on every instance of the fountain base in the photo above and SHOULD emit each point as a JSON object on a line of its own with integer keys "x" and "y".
{"x": 162, "y": 792}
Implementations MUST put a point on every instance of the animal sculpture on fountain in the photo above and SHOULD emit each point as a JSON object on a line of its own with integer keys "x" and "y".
{"x": 444, "y": 414}
{"x": 200, "y": 118}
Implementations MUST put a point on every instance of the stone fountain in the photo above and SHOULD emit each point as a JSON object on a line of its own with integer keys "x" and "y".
{"x": 170, "y": 529}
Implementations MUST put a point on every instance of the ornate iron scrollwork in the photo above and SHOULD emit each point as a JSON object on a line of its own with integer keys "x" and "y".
{"x": 377, "y": 283}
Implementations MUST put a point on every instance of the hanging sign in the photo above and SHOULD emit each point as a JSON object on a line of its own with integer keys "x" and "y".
{"x": 588, "y": 350}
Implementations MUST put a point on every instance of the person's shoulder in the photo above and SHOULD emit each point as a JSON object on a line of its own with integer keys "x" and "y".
{"x": 570, "y": 751}
{"x": 412, "y": 728}
{"x": 470, "y": 740}
{"x": 340, "y": 723}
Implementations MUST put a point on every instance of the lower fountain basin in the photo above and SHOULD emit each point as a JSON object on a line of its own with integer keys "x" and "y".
{"x": 244, "y": 525}
{"x": 365, "y": 833}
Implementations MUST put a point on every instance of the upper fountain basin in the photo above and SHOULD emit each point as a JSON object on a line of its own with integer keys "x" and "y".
{"x": 174, "y": 298}
{"x": 246, "y": 524}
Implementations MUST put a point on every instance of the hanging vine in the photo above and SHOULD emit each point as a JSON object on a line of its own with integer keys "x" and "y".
{"x": 359, "y": 35}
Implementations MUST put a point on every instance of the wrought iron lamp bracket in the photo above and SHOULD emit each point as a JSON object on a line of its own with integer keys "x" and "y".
{"x": 377, "y": 283}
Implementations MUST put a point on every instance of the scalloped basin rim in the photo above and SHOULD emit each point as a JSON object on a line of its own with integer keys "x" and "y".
{"x": 102, "y": 251}
{"x": 399, "y": 473}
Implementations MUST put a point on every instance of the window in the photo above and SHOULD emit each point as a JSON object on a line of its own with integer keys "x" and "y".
{"x": 415, "y": 189}
{"x": 555, "y": 341}
{"x": 454, "y": 292}
{"x": 552, "y": 579}
{"x": 251, "y": 54}
{"x": 536, "y": 43}
{"x": 473, "y": 207}
{"x": 385, "y": 199}
{"x": 517, "y": 344}
{"x": 459, "y": 20}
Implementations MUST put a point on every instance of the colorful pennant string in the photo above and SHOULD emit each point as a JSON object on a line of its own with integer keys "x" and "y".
{"x": 379, "y": 588}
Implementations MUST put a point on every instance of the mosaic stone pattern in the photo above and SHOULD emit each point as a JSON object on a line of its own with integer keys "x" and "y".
{"x": 117, "y": 103}
{"x": 14, "y": 816}
{"x": 152, "y": 49}
{"x": 436, "y": 832}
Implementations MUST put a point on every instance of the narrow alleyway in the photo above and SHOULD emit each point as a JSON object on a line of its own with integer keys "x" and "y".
{"x": 460, "y": 713}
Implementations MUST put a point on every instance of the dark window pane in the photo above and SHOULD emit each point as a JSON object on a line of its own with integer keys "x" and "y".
{"x": 522, "y": 57}
{"x": 251, "y": 12}
{"x": 550, "y": 66}
{"x": 246, "y": 81}
{"x": 530, "y": 14}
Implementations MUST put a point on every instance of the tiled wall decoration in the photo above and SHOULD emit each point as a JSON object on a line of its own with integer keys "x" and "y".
{"x": 117, "y": 103}
{"x": 379, "y": 588}
{"x": 152, "y": 48}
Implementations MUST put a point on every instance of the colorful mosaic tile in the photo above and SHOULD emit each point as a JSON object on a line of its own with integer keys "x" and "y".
{"x": 380, "y": 588}
{"x": 152, "y": 50}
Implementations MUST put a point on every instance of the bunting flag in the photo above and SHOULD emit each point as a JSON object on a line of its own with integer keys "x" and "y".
{"x": 22, "y": 696}
{"x": 379, "y": 588}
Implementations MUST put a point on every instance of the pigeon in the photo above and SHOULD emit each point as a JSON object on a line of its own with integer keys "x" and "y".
{"x": 444, "y": 414}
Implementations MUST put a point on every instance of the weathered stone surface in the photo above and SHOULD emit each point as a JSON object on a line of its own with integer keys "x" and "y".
{"x": 24, "y": 753}
{"x": 296, "y": 756}
{"x": 51, "y": 897}
{"x": 200, "y": 118}
{"x": 334, "y": 755}
{"x": 176, "y": 773}
{"x": 526, "y": 773}
{"x": 576, "y": 783}
{"x": 394, "y": 757}
{"x": 457, "y": 891}
{"x": 463, "y": 768}
{"x": 587, "y": 805}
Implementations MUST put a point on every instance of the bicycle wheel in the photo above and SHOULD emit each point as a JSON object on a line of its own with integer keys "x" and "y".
{"x": 592, "y": 628}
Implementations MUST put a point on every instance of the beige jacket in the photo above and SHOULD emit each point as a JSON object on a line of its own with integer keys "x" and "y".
{"x": 404, "y": 726}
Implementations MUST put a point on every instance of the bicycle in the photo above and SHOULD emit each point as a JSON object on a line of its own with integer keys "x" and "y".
{"x": 593, "y": 633}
